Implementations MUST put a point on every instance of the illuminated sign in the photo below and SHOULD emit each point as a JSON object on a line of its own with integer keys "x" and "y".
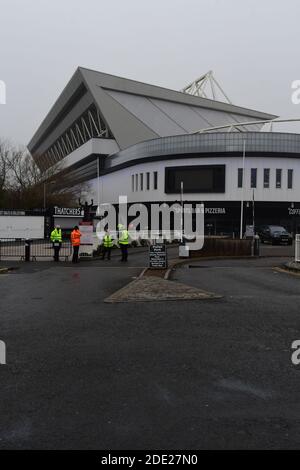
{"x": 68, "y": 211}
{"x": 293, "y": 211}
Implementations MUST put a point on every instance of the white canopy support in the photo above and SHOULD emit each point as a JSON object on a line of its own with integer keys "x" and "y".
{"x": 239, "y": 126}
{"x": 199, "y": 88}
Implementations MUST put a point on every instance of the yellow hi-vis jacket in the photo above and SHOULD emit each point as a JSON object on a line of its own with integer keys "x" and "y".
{"x": 56, "y": 235}
{"x": 124, "y": 237}
{"x": 107, "y": 241}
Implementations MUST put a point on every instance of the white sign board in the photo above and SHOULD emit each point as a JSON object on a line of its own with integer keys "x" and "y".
{"x": 249, "y": 231}
{"x": 86, "y": 240}
{"x": 21, "y": 226}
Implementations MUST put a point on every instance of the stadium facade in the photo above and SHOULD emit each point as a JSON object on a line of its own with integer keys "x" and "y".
{"x": 124, "y": 137}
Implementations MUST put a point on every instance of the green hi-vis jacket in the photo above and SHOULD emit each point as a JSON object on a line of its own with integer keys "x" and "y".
{"x": 124, "y": 237}
{"x": 56, "y": 235}
{"x": 107, "y": 241}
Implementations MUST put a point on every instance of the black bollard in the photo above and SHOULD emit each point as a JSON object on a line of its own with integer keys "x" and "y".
{"x": 27, "y": 250}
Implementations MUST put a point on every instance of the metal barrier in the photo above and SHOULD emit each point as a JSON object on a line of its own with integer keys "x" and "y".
{"x": 32, "y": 249}
{"x": 12, "y": 248}
{"x": 44, "y": 249}
{"x": 297, "y": 248}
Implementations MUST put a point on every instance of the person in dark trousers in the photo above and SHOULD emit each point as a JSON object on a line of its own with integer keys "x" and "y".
{"x": 123, "y": 242}
{"x": 107, "y": 244}
{"x": 75, "y": 240}
{"x": 56, "y": 238}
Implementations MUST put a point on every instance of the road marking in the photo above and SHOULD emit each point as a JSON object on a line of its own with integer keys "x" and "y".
{"x": 237, "y": 385}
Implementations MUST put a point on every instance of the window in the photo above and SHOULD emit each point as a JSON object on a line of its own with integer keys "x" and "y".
{"x": 155, "y": 180}
{"x": 290, "y": 179}
{"x": 253, "y": 177}
{"x": 240, "y": 177}
{"x": 278, "y": 178}
{"x": 266, "y": 177}
{"x": 136, "y": 182}
{"x": 148, "y": 181}
{"x": 132, "y": 183}
{"x": 142, "y": 181}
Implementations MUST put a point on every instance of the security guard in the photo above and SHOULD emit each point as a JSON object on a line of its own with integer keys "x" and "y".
{"x": 56, "y": 238}
{"x": 107, "y": 244}
{"x": 123, "y": 242}
{"x": 75, "y": 240}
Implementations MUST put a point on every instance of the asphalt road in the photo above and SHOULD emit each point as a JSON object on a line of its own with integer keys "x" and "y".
{"x": 194, "y": 374}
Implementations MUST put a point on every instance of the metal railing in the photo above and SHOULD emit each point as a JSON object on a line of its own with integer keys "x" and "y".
{"x": 297, "y": 248}
{"x": 12, "y": 248}
{"x": 31, "y": 250}
{"x": 44, "y": 249}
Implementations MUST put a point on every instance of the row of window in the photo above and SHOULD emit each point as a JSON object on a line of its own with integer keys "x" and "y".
{"x": 142, "y": 181}
{"x": 147, "y": 181}
{"x": 266, "y": 180}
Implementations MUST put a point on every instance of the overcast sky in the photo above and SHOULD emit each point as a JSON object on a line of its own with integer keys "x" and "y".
{"x": 253, "y": 47}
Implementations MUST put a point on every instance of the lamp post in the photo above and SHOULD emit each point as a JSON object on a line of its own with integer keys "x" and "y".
{"x": 181, "y": 203}
{"x": 242, "y": 196}
{"x": 293, "y": 223}
{"x": 253, "y": 224}
{"x": 253, "y": 213}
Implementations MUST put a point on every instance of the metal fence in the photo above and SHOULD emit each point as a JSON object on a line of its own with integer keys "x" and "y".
{"x": 44, "y": 249}
{"x": 12, "y": 248}
{"x": 297, "y": 248}
{"x": 31, "y": 250}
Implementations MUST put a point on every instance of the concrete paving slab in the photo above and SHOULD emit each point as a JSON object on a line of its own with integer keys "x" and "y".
{"x": 149, "y": 289}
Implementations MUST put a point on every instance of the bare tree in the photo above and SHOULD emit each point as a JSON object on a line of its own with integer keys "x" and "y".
{"x": 22, "y": 182}
{"x": 4, "y": 156}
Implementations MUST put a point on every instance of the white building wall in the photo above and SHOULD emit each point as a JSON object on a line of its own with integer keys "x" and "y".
{"x": 120, "y": 182}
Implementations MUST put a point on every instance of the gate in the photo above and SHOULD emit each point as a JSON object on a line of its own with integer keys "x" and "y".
{"x": 31, "y": 250}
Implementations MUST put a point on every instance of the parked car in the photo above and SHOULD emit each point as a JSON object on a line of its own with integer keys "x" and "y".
{"x": 274, "y": 234}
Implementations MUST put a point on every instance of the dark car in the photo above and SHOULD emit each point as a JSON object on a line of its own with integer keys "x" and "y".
{"x": 275, "y": 234}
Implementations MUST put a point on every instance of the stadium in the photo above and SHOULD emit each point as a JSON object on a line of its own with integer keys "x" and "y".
{"x": 155, "y": 145}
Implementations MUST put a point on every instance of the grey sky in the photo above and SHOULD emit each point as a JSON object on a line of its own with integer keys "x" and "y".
{"x": 252, "y": 46}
